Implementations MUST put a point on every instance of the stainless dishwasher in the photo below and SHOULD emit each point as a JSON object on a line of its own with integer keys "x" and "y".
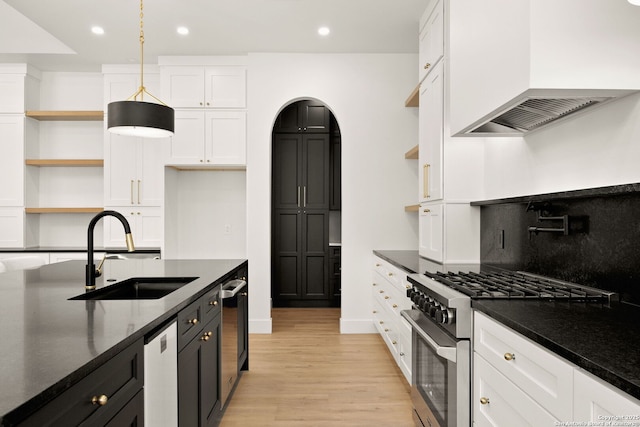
{"x": 229, "y": 343}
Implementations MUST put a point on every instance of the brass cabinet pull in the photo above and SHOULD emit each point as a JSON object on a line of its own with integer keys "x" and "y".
{"x": 193, "y": 321}
{"x": 394, "y": 342}
{"x": 509, "y": 356}
{"x": 244, "y": 294}
{"x": 382, "y": 292}
{"x": 395, "y": 305}
{"x": 427, "y": 65}
{"x": 298, "y": 199}
{"x": 374, "y": 311}
{"x": 304, "y": 196}
{"x": 131, "y": 192}
{"x": 389, "y": 274}
{"x": 213, "y": 303}
{"x": 425, "y": 180}
{"x": 138, "y": 191}
{"x": 99, "y": 400}
{"x": 386, "y": 297}
{"x": 426, "y": 210}
{"x": 386, "y": 329}
{"x": 381, "y": 322}
{"x": 484, "y": 400}
{"x": 401, "y": 354}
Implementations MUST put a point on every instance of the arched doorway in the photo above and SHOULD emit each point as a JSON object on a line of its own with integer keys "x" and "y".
{"x": 306, "y": 207}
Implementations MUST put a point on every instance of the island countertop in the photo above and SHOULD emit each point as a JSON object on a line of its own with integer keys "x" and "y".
{"x": 48, "y": 342}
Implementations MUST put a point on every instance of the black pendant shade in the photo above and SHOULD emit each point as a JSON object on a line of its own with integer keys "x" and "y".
{"x": 139, "y": 118}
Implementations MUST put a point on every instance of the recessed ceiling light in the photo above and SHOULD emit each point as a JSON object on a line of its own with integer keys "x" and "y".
{"x": 183, "y": 31}
{"x": 324, "y": 31}
{"x": 97, "y": 30}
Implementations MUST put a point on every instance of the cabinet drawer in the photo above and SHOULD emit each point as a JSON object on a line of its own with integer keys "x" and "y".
{"x": 211, "y": 304}
{"x": 119, "y": 380}
{"x": 505, "y": 404}
{"x": 547, "y": 378}
{"x": 190, "y": 323}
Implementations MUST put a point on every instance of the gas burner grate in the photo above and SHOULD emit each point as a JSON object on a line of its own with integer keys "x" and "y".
{"x": 517, "y": 285}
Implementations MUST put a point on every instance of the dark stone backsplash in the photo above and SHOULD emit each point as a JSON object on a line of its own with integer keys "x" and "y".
{"x": 602, "y": 248}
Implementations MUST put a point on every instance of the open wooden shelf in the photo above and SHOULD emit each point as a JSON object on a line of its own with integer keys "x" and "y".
{"x": 413, "y": 153}
{"x": 414, "y": 98}
{"x": 62, "y": 210}
{"x": 65, "y": 162}
{"x": 83, "y": 116}
{"x": 412, "y": 208}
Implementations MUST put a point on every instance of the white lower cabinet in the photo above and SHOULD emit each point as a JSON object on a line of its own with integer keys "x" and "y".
{"x": 146, "y": 227}
{"x": 499, "y": 402}
{"x": 517, "y": 382}
{"x": 389, "y": 286}
{"x": 596, "y": 401}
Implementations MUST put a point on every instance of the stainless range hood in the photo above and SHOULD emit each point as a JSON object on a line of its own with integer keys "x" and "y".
{"x": 516, "y": 66}
{"x": 532, "y": 113}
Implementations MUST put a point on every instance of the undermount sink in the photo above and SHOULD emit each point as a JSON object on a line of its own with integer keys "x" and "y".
{"x": 137, "y": 288}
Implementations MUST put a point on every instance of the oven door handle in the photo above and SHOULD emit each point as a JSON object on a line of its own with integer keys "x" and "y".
{"x": 446, "y": 351}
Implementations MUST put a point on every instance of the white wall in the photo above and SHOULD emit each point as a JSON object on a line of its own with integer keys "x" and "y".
{"x": 206, "y": 214}
{"x": 600, "y": 147}
{"x": 366, "y": 93}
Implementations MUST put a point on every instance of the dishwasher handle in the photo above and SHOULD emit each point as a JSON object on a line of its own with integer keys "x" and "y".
{"x": 232, "y": 287}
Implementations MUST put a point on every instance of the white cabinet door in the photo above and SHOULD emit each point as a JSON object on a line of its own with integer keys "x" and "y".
{"x": 149, "y": 176}
{"x": 12, "y": 227}
{"x": 430, "y": 229}
{"x": 544, "y": 376}
{"x": 594, "y": 400}
{"x": 498, "y": 402}
{"x": 183, "y": 87}
{"x": 12, "y": 128}
{"x": 12, "y": 93}
{"x": 146, "y": 227}
{"x": 225, "y": 136}
{"x": 431, "y": 39}
{"x": 225, "y": 87}
{"x": 187, "y": 144}
{"x": 431, "y": 136}
{"x": 133, "y": 171}
{"x": 204, "y": 87}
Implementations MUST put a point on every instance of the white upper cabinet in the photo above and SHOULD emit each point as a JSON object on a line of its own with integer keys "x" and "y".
{"x": 213, "y": 138}
{"x": 431, "y": 38}
{"x": 516, "y": 66}
{"x": 430, "y": 135}
{"x": 19, "y": 88}
{"x": 204, "y": 87}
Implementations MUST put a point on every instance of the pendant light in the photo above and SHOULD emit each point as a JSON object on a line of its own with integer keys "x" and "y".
{"x": 135, "y": 117}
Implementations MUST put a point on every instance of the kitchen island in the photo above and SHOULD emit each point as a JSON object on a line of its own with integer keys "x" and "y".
{"x": 50, "y": 342}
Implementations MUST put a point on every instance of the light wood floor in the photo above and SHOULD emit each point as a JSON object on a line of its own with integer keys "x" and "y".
{"x": 307, "y": 374}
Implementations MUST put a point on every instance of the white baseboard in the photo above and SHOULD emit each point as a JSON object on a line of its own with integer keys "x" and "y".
{"x": 260, "y": 326}
{"x": 357, "y": 326}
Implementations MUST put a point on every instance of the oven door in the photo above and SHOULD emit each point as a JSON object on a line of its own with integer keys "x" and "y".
{"x": 441, "y": 385}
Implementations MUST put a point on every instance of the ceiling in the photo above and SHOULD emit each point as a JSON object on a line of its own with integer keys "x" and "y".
{"x": 56, "y": 35}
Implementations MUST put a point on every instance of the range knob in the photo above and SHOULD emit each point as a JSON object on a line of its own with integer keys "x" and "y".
{"x": 434, "y": 307}
{"x": 444, "y": 316}
{"x": 411, "y": 292}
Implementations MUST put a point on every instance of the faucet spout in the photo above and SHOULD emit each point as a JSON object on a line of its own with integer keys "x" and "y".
{"x": 91, "y": 272}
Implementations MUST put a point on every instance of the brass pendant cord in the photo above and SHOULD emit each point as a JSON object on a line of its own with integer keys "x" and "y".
{"x": 142, "y": 90}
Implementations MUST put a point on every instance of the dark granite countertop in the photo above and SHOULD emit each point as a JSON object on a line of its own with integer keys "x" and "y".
{"x": 612, "y": 190}
{"x": 48, "y": 342}
{"x": 601, "y": 340}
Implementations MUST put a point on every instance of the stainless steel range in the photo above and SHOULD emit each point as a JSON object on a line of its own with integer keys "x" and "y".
{"x": 441, "y": 321}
